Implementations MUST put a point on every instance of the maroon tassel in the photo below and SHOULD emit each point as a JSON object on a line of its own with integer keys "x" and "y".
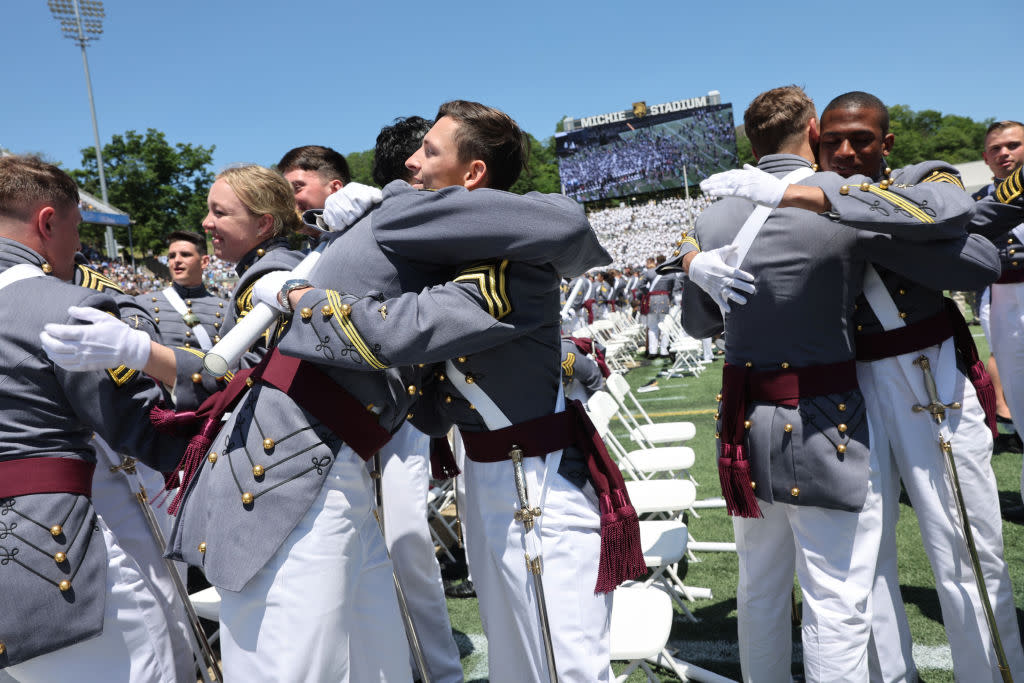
{"x": 442, "y": 461}
{"x": 725, "y": 480}
{"x": 611, "y": 543}
{"x": 743, "y": 490}
{"x": 589, "y": 305}
{"x": 195, "y": 453}
{"x": 622, "y": 557}
{"x": 982, "y": 382}
{"x": 633, "y": 563}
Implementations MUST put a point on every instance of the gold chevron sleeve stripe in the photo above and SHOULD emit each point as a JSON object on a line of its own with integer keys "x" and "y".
{"x": 243, "y": 303}
{"x": 1010, "y": 188}
{"x": 198, "y": 353}
{"x": 901, "y": 203}
{"x": 93, "y": 279}
{"x": 944, "y": 177}
{"x": 568, "y": 363}
{"x": 121, "y": 374}
{"x": 350, "y": 331}
{"x": 689, "y": 239}
{"x": 492, "y": 281}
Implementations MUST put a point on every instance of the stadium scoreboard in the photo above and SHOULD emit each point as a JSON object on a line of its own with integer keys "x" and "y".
{"x": 646, "y": 149}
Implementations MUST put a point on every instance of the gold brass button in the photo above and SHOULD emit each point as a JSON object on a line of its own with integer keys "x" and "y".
{"x": 217, "y": 314}
{"x": 56, "y": 530}
{"x": 156, "y": 309}
{"x": 860, "y": 328}
{"x": 903, "y": 314}
{"x": 675, "y": 252}
{"x": 47, "y": 268}
{"x": 461, "y": 359}
{"x": 246, "y": 498}
{"x": 788, "y": 428}
{"x": 888, "y": 171}
{"x": 221, "y": 304}
{"x": 59, "y": 558}
{"x": 408, "y": 416}
{"x": 749, "y": 364}
{"x": 156, "y": 320}
{"x": 411, "y": 389}
{"x": 260, "y": 252}
{"x": 844, "y": 190}
{"x": 344, "y": 310}
{"x": 1012, "y": 252}
{"x": 785, "y": 365}
{"x": 753, "y": 485}
{"x": 3, "y": 649}
{"x": 440, "y": 377}
{"x": 717, "y": 435}
{"x": 747, "y": 424}
{"x": 902, "y": 291}
{"x": 216, "y": 326}
{"x": 794, "y": 492}
{"x": 469, "y": 379}
{"x": 212, "y": 457}
{"x": 718, "y": 397}
{"x": 472, "y": 407}
{"x": 448, "y": 399}
{"x": 188, "y": 334}
{"x": 196, "y": 378}
{"x": 842, "y": 428}
{"x": 842, "y": 407}
{"x": 841, "y": 448}
{"x": 369, "y": 406}
{"x": 202, "y": 547}
{"x": 268, "y": 444}
{"x": 306, "y": 313}
{"x": 249, "y": 382}
{"x": 884, "y": 184}
{"x": 864, "y": 187}
{"x": 717, "y": 415}
{"x": 64, "y": 586}
{"x": 216, "y": 338}
{"x": 327, "y": 311}
{"x": 154, "y": 298}
{"x": 257, "y": 470}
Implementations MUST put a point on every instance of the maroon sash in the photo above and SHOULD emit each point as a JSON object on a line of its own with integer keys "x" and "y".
{"x": 621, "y": 555}
{"x": 1011, "y": 277}
{"x": 741, "y": 385}
{"x": 28, "y": 476}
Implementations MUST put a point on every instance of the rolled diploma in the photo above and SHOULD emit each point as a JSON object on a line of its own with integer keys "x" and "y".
{"x": 225, "y": 353}
{"x": 572, "y": 297}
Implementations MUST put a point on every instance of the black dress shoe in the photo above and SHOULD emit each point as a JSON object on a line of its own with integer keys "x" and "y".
{"x": 1008, "y": 443}
{"x": 462, "y": 589}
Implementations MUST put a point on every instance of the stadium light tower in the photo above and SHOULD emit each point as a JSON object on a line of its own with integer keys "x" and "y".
{"x": 70, "y": 14}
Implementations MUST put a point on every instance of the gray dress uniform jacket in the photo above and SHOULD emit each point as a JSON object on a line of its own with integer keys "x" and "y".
{"x": 997, "y": 213}
{"x": 658, "y": 304}
{"x": 213, "y": 314}
{"x": 424, "y": 277}
{"x": 810, "y": 270}
{"x": 50, "y": 538}
{"x": 581, "y": 376}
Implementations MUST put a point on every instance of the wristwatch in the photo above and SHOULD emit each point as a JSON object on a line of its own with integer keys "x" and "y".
{"x": 287, "y": 288}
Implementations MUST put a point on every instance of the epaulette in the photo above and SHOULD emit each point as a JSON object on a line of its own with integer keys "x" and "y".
{"x": 943, "y": 177}
{"x": 1009, "y": 189}
{"x": 93, "y": 279}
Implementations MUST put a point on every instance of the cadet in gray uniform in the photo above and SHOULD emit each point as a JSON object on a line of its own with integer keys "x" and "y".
{"x": 73, "y": 601}
{"x": 656, "y": 292}
{"x": 793, "y": 412}
{"x": 187, "y": 313}
{"x": 581, "y": 376}
{"x": 485, "y": 306}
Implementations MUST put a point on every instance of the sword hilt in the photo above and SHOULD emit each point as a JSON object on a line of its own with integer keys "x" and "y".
{"x": 127, "y": 465}
{"x": 935, "y": 407}
{"x": 525, "y": 513}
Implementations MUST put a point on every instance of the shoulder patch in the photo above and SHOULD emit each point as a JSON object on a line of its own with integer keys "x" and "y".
{"x": 121, "y": 374}
{"x": 93, "y": 279}
{"x": 944, "y": 177}
{"x": 1009, "y": 189}
{"x": 568, "y": 364}
{"x": 492, "y": 280}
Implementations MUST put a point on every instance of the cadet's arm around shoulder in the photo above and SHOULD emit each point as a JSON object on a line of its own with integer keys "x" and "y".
{"x": 993, "y": 218}
{"x": 969, "y": 262}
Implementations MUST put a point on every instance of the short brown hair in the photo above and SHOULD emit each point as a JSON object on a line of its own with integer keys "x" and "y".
{"x": 27, "y": 182}
{"x": 324, "y": 161}
{"x": 1000, "y": 126}
{"x": 776, "y": 116}
{"x": 264, "y": 191}
{"x": 190, "y": 236}
{"x": 490, "y": 135}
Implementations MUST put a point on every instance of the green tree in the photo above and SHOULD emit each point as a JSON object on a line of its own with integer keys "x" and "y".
{"x": 162, "y": 187}
{"x": 360, "y": 165}
{"x": 743, "y": 148}
{"x": 541, "y": 172}
{"x": 929, "y": 134}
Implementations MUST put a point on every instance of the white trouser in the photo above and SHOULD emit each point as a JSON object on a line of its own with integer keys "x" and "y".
{"x": 833, "y": 553}
{"x": 657, "y": 341}
{"x": 707, "y": 349}
{"x": 134, "y": 645}
{"x": 570, "y": 538}
{"x": 117, "y": 505}
{"x": 323, "y": 608}
{"x": 405, "y": 483}
{"x": 1007, "y": 342}
{"x": 906, "y": 447}
{"x": 985, "y": 314}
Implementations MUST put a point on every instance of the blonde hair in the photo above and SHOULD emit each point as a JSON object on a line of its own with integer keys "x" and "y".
{"x": 264, "y": 192}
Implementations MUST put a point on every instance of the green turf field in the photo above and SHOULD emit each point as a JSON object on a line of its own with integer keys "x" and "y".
{"x": 711, "y": 643}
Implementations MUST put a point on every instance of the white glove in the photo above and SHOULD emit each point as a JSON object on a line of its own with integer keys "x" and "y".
{"x": 710, "y": 270}
{"x": 568, "y": 315}
{"x": 105, "y": 343}
{"x": 347, "y": 205}
{"x": 267, "y": 288}
{"x": 749, "y": 182}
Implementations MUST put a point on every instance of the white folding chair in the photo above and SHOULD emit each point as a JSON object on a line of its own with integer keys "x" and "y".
{"x": 646, "y": 432}
{"x": 440, "y": 497}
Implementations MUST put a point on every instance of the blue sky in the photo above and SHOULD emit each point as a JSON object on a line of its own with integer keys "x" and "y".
{"x": 257, "y": 78}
